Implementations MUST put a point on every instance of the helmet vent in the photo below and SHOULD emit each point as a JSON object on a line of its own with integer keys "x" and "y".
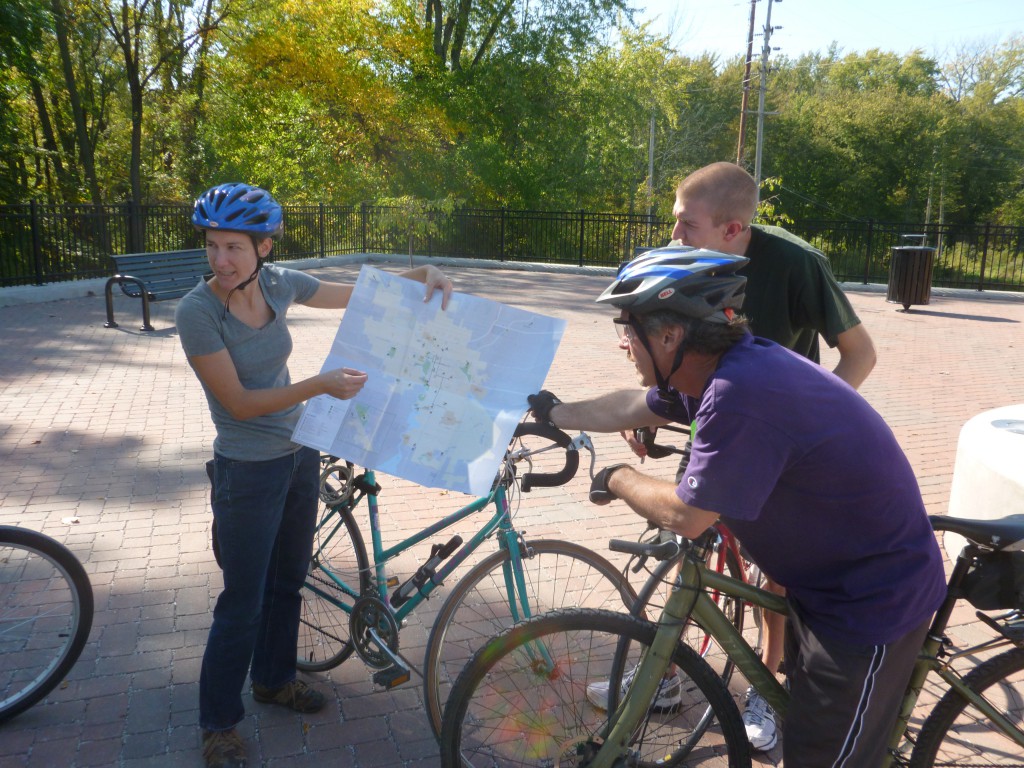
{"x": 238, "y": 207}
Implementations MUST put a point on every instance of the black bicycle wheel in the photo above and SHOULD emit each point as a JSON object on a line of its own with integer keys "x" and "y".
{"x": 653, "y": 594}
{"x": 46, "y": 610}
{"x": 956, "y": 733}
{"x": 522, "y": 700}
{"x": 338, "y": 574}
{"x": 558, "y": 574}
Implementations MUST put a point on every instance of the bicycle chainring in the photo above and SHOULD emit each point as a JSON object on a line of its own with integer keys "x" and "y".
{"x": 371, "y": 614}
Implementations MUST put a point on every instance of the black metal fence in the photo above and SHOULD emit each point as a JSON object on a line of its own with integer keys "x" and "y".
{"x": 47, "y": 244}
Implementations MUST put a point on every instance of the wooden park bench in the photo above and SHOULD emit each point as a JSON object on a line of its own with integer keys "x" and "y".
{"x": 155, "y": 277}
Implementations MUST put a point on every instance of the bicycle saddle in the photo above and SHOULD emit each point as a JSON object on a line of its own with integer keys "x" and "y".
{"x": 991, "y": 534}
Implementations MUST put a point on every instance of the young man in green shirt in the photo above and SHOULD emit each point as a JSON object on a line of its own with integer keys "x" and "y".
{"x": 792, "y": 296}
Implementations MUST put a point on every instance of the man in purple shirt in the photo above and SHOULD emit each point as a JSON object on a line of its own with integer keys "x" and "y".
{"x": 803, "y": 471}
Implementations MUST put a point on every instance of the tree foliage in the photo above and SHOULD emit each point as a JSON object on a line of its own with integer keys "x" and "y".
{"x": 521, "y": 103}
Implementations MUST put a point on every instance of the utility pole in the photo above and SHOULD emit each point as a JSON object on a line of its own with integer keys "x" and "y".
{"x": 765, "y": 51}
{"x": 650, "y": 168}
{"x": 746, "y": 86}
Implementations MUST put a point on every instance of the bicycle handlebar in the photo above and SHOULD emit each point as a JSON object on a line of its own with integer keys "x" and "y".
{"x": 664, "y": 550}
{"x": 562, "y": 440}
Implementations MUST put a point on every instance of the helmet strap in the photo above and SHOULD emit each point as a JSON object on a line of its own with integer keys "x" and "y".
{"x": 678, "y": 361}
{"x": 242, "y": 286}
{"x": 665, "y": 390}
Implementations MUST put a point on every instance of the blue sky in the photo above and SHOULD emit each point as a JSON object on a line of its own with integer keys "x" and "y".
{"x": 936, "y": 26}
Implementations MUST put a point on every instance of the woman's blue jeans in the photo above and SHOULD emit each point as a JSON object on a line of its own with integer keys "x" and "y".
{"x": 265, "y": 513}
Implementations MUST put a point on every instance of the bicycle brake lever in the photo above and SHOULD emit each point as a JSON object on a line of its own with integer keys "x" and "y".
{"x": 582, "y": 440}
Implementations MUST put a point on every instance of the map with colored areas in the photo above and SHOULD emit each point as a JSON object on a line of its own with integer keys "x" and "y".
{"x": 445, "y": 389}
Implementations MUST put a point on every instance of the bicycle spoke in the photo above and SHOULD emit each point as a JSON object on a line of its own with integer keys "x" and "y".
{"x": 512, "y": 707}
{"x": 46, "y": 612}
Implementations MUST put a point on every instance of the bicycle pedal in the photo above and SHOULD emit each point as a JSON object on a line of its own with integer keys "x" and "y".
{"x": 392, "y": 581}
{"x": 392, "y": 677}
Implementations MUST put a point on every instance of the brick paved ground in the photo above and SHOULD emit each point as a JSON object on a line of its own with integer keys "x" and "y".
{"x": 110, "y": 429}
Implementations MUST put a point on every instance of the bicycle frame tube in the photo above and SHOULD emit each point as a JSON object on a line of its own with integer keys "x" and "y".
{"x": 929, "y": 661}
{"x": 710, "y": 617}
{"x": 381, "y": 555}
{"x": 515, "y": 580}
{"x": 633, "y": 708}
{"x": 691, "y": 602}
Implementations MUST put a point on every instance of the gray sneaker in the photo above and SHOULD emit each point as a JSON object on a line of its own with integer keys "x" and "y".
{"x": 759, "y": 720}
{"x": 669, "y": 692}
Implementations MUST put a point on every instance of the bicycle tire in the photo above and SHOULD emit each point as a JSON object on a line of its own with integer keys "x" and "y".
{"x": 693, "y": 635}
{"x": 46, "y": 613}
{"x": 510, "y": 708}
{"x": 338, "y": 550}
{"x": 559, "y": 574}
{"x": 957, "y": 734}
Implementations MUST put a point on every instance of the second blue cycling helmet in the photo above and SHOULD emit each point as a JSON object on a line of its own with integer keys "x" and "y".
{"x": 240, "y": 208}
{"x": 694, "y": 282}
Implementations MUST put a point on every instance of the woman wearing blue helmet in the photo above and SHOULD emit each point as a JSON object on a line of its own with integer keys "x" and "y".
{"x": 233, "y": 328}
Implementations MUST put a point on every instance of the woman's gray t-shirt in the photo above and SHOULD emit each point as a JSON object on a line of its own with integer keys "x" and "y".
{"x": 260, "y": 356}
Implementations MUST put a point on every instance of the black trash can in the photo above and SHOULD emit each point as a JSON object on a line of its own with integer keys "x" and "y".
{"x": 910, "y": 275}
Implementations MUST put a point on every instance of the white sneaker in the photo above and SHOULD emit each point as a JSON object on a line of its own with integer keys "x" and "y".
{"x": 669, "y": 692}
{"x": 759, "y": 720}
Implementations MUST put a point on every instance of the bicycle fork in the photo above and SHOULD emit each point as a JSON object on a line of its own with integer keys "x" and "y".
{"x": 689, "y": 602}
{"x": 633, "y": 708}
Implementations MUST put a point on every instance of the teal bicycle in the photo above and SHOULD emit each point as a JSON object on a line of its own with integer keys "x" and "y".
{"x": 350, "y": 604}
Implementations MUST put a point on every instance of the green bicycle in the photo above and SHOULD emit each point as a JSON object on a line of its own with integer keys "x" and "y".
{"x": 351, "y": 605}
{"x": 521, "y": 701}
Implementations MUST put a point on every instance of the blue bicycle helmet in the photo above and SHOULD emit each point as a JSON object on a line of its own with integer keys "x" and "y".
{"x": 239, "y": 208}
{"x": 694, "y": 282}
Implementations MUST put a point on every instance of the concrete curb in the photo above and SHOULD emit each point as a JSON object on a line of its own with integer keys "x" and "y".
{"x": 81, "y": 289}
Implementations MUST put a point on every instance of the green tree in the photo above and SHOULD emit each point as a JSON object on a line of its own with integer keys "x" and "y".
{"x": 317, "y": 101}
{"x": 62, "y": 23}
{"x": 464, "y": 33}
{"x": 416, "y": 220}
{"x": 854, "y": 137}
{"x": 153, "y": 39}
{"x": 495, "y": 102}
{"x": 24, "y": 50}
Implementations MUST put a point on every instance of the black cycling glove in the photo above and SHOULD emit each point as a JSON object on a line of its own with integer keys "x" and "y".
{"x": 599, "y": 487}
{"x": 541, "y": 405}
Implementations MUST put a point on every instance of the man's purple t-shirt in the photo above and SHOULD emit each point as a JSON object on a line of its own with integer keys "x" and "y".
{"x": 812, "y": 481}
